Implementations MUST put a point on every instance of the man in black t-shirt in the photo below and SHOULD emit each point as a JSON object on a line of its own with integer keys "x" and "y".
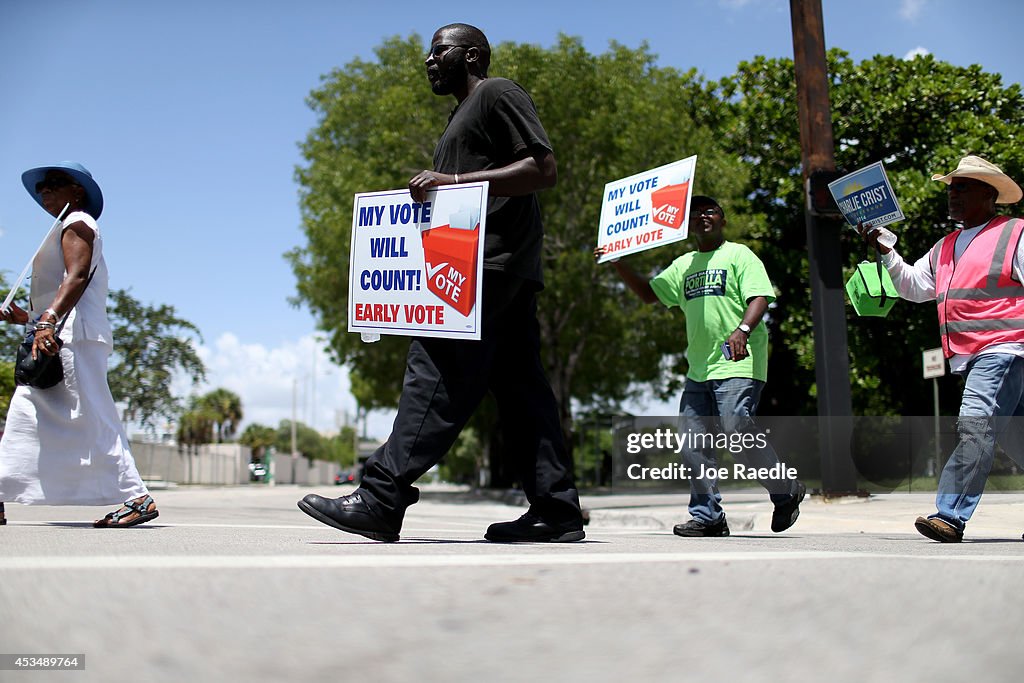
{"x": 498, "y": 128}
{"x": 494, "y": 135}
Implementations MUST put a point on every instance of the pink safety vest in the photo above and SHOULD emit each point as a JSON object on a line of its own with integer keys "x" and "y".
{"x": 979, "y": 302}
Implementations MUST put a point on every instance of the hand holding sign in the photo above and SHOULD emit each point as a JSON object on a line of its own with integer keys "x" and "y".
{"x": 865, "y": 196}
{"x": 645, "y": 210}
{"x": 415, "y": 266}
{"x": 880, "y": 239}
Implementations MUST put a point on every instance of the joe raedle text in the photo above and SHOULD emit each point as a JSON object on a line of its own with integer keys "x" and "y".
{"x": 738, "y": 472}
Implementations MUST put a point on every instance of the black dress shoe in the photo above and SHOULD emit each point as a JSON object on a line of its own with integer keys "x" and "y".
{"x": 349, "y": 513}
{"x": 531, "y": 528}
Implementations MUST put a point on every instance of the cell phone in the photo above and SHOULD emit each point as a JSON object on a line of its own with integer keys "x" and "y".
{"x": 726, "y": 351}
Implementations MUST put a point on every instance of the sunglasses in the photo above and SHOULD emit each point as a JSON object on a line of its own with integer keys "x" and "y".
{"x": 709, "y": 213}
{"x": 440, "y": 49}
{"x": 53, "y": 183}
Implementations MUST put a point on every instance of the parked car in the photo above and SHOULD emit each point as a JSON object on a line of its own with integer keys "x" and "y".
{"x": 346, "y": 477}
{"x": 257, "y": 471}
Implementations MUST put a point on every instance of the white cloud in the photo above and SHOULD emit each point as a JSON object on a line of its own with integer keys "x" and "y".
{"x": 911, "y": 9}
{"x": 267, "y": 378}
{"x": 917, "y": 52}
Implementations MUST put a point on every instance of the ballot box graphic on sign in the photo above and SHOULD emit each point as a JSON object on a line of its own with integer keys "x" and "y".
{"x": 668, "y": 205}
{"x": 450, "y": 259}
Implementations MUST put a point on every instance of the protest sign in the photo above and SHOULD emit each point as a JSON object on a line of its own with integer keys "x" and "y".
{"x": 865, "y": 196}
{"x": 646, "y": 210}
{"x": 416, "y": 268}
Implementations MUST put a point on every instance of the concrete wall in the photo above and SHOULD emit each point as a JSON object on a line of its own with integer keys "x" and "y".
{"x": 223, "y": 464}
{"x": 209, "y": 464}
{"x": 287, "y": 470}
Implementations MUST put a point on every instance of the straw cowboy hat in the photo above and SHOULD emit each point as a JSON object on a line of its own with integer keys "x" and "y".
{"x": 975, "y": 167}
{"x": 93, "y": 204}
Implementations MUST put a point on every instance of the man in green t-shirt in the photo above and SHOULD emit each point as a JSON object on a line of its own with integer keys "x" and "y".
{"x": 724, "y": 291}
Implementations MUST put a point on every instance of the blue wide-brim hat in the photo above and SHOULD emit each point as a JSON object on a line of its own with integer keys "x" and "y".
{"x": 93, "y": 196}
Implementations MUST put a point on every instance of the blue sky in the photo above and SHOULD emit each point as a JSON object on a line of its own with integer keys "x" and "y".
{"x": 189, "y": 114}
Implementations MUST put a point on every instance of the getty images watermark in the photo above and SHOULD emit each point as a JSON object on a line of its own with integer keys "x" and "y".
{"x": 693, "y": 448}
{"x": 886, "y": 453}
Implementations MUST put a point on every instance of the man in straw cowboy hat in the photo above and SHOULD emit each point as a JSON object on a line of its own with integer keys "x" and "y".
{"x": 975, "y": 275}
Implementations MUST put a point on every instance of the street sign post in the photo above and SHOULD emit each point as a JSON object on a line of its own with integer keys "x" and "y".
{"x": 934, "y": 364}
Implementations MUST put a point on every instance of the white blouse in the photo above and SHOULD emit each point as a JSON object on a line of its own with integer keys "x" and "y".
{"x": 88, "y": 320}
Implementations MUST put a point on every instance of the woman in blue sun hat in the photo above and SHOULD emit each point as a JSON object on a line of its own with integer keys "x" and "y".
{"x": 65, "y": 445}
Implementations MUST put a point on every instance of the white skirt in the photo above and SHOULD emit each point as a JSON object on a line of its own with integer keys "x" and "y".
{"x": 66, "y": 445}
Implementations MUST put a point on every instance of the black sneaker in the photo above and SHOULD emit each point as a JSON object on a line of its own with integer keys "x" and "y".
{"x": 531, "y": 528}
{"x": 786, "y": 513}
{"x": 349, "y": 513}
{"x": 694, "y": 529}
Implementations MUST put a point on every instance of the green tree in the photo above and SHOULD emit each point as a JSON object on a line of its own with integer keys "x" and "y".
{"x": 10, "y": 335}
{"x": 339, "y": 448}
{"x": 6, "y": 389}
{"x": 224, "y": 407}
{"x": 464, "y": 460}
{"x": 195, "y": 426}
{"x": 10, "y": 338}
{"x": 608, "y": 116}
{"x": 342, "y": 447}
{"x": 151, "y": 344}
{"x": 919, "y": 117}
{"x": 259, "y": 438}
{"x": 622, "y": 114}
{"x": 308, "y": 441}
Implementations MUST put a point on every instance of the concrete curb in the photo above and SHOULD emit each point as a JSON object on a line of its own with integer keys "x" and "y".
{"x": 1001, "y": 515}
{"x": 658, "y": 519}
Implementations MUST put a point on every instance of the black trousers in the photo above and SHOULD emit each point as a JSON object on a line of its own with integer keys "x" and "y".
{"x": 445, "y": 381}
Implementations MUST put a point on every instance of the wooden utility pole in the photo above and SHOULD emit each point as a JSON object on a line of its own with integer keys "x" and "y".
{"x": 828, "y": 304}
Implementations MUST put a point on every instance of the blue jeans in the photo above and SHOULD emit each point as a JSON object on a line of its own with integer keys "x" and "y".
{"x": 993, "y": 395}
{"x": 728, "y": 405}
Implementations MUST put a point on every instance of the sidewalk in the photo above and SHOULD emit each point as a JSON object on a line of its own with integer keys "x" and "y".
{"x": 999, "y": 514}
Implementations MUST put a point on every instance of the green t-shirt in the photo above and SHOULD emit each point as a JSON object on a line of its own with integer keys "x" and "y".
{"x": 713, "y": 289}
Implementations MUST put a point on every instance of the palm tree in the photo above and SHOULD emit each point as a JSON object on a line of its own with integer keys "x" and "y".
{"x": 225, "y": 409}
{"x": 195, "y": 428}
{"x": 259, "y": 438}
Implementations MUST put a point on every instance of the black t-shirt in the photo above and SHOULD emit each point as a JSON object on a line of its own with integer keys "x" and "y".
{"x": 492, "y": 128}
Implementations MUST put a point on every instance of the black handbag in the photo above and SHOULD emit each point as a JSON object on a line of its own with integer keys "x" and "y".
{"x": 41, "y": 372}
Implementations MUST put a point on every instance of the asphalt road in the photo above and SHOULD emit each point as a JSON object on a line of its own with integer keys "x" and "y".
{"x": 238, "y": 584}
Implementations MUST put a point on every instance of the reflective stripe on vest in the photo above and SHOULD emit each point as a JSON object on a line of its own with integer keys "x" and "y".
{"x": 979, "y": 302}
